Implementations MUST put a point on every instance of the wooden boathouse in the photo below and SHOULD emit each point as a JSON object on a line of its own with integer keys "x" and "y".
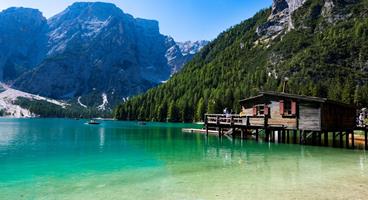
{"x": 290, "y": 118}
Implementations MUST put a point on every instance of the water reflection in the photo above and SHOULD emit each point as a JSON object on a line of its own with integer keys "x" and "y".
{"x": 102, "y": 137}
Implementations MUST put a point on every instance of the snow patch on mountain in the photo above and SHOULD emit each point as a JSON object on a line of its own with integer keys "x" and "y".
{"x": 105, "y": 102}
{"x": 80, "y": 102}
{"x": 190, "y": 47}
{"x": 8, "y": 97}
{"x": 179, "y": 53}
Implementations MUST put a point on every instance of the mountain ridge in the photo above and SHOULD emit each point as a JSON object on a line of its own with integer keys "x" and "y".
{"x": 92, "y": 48}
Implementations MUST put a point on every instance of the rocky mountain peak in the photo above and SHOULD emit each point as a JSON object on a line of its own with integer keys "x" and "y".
{"x": 179, "y": 53}
{"x": 89, "y": 49}
{"x": 18, "y": 16}
{"x": 280, "y": 18}
{"x": 22, "y": 41}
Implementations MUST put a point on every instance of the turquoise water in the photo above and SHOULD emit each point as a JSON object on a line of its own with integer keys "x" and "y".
{"x": 67, "y": 159}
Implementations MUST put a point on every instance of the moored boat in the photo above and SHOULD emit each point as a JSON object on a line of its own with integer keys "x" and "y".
{"x": 93, "y": 122}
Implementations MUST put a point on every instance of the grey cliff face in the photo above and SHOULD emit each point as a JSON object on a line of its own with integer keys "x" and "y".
{"x": 179, "y": 53}
{"x": 280, "y": 19}
{"x": 22, "y": 41}
{"x": 95, "y": 48}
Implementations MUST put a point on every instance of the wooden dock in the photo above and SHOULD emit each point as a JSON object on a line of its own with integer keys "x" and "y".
{"x": 243, "y": 126}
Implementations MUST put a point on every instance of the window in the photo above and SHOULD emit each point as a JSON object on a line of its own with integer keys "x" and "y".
{"x": 288, "y": 108}
{"x": 261, "y": 110}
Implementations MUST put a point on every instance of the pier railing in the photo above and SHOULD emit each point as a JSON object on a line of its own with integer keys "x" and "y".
{"x": 235, "y": 120}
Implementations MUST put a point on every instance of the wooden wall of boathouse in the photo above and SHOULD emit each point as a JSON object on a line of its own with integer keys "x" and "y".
{"x": 337, "y": 117}
{"x": 275, "y": 118}
{"x": 309, "y": 116}
{"x": 304, "y": 113}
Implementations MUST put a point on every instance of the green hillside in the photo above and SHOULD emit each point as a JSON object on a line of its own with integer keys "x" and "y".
{"x": 321, "y": 56}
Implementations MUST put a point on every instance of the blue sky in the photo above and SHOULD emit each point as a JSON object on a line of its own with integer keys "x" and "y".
{"x": 181, "y": 19}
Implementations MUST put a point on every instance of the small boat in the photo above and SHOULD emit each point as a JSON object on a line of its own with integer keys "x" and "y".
{"x": 93, "y": 122}
{"x": 142, "y": 123}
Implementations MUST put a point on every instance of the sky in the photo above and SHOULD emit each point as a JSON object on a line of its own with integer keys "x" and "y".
{"x": 182, "y": 19}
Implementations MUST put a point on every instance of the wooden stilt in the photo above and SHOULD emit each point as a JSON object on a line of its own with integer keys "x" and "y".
{"x": 366, "y": 139}
{"x": 273, "y": 136}
{"x": 341, "y": 140}
{"x": 334, "y": 139}
{"x": 219, "y": 132}
{"x": 288, "y": 136}
{"x": 326, "y": 138}
{"x": 301, "y": 137}
{"x": 352, "y": 140}
{"x": 294, "y": 136}
{"x": 257, "y": 135}
{"x": 347, "y": 139}
{"x": 278, "y": 137}
{"x": 267, "y": 135}
{"x": 283, "y": 138}
{"x": 207, "y": 130}
{"x": 318, "y": 138}
{"x": 313, "y": 138}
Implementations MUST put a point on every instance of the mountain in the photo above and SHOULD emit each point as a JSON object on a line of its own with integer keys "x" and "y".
{"x": 320, "y": 46}
{"x": 91, "y": 52}
{"x": 23, "y": 41}
{"x": 180, "y": 53}
{"x": 95, "y": 46}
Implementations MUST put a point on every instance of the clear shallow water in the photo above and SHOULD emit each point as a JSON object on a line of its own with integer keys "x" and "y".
{"x": 66, "y": 159}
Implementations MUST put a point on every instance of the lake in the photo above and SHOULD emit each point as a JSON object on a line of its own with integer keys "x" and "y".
{"x": 67, "y": 159}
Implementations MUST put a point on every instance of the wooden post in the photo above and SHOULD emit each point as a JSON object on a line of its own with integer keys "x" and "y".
{"x": 283, "y": 139}
{"x": 294, "y": 136}
{"x": 301, "y": 133}
{"x": 278, "y": 137}
{"x": 233, "y": 132}
{"x": 341, "y": 140}
{"x": 265, "y": 125}
{"x": 334, "y": 139}
{"x": 347, "y": 139}
{"x": 267, "y": 135}
{"x": 366, "y": 138}
{"x": 206, "y": 130}
{"x": 326, "y": 138}
{"x": 313, "y": 138}
{"x": 257, "y": 135}
{"x": 352, "y": 140}
{"x": 219, "y": 131}
{"x": 288, "y": 136}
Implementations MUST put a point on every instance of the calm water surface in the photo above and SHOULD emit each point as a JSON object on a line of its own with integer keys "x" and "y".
{"x": 66, "y": 159}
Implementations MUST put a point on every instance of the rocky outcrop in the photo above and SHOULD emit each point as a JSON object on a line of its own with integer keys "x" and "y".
{"x": 280, "y": 19}
{"x": 180, "y": 53}
{"x": 23, "y": 39}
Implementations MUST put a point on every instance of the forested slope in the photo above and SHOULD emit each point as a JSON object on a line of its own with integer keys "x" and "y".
{"x": 325, "y": 54}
